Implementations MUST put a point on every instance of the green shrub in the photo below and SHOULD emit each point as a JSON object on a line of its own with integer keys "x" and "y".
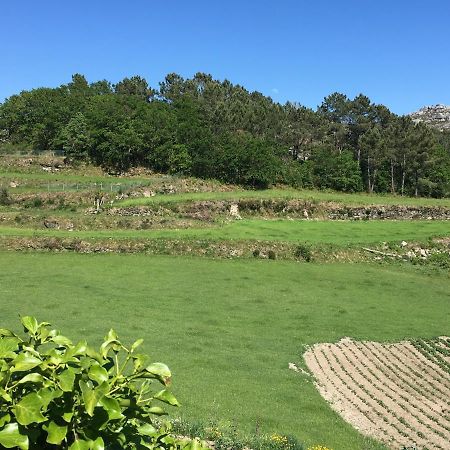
{"x": 441, "y": 259}
{"x": 4, "y": 197}
{"x": 54, "y": 394}
{"x": 303, "y": 251}
{"x": 271, "y": 254}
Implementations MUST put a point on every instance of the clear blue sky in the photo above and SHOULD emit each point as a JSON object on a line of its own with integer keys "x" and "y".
{"x": 397, "y": 52}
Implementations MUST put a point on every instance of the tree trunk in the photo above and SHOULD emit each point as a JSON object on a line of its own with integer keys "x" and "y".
{"x": 403, "y": 173}
{"x": 392, "y": 177}
{"x": 368, "y": 174}
{"x": 374, "y": 176}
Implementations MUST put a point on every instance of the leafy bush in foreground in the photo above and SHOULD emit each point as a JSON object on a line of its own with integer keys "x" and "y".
{"x": 54, "y": 394}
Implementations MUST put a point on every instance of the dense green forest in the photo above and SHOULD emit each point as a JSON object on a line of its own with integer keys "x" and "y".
{"x": 214, "y": 129}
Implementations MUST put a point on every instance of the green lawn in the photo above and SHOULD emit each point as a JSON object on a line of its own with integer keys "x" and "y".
{"x": 338, "y": 197}
{"x": 229, "y": 328}
{"x": 328, "y": 232}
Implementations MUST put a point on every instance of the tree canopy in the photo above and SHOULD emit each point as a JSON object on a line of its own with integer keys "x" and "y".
{"x": 215, "y": 129}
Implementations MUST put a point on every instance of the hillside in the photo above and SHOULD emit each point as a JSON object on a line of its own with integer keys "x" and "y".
{"x": 437, "y": 116}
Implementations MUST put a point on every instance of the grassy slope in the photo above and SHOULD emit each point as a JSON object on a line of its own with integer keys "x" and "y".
{"x": 333, "y": 232}
{"x": 37, "y": 181}
{"x": 228, "y": 329}
{"x": 60, "y": 182}
{"x": 338, "y": 197}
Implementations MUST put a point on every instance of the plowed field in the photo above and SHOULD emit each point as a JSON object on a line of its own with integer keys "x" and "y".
{"x": 397, "y": 393}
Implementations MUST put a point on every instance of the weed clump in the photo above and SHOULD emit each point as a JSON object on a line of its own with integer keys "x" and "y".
{"x": 4, "y": 197}
{"x": 303, "y": 251}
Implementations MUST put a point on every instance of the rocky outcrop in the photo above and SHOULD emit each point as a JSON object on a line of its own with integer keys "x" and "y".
{"x": 437, "y": 116}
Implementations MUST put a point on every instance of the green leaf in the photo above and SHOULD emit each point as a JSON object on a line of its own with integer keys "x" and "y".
{"x": 196, "y": 445}
{"x": 24, "y": 362}
{"x": 8, "y": 346}
{"x": 55, "y": 358}
{"x": 91, "y": 396}
{"x": 28, "y": 410}
{"x": 136, "y": 345}
{"x": 160, "y": 371}
{"x": 31, "y": 378}
{"x": 147, "y": 430}
{"x": 139, "y": 360}
{"x": 4, "y": 419}
{"x": 79, "y": 350}
{"x": 98, "y": 444}
{"x": 166, "y": 397}
{"x": 80, "y": 444}
{"x": 98, "y": 373}
{"x": 67, "y": 416}
{"x": 4, "y": 366}
{"x": 112, "y": 407}
{"x": 92, "y": 353}
{"x": 66, "y": 379}
{"x": 7, "y": 333}
{"x": 62, "y": 340}
{"x": 5, "y": 396}
{"x": 30, "y": 323}
{"x": 55, "y": 433}
{"x": 47, "y": 395}
{"x": 111, "y": 341}
{"x": 156, "y": 410}
{"x": 10, "y": 437}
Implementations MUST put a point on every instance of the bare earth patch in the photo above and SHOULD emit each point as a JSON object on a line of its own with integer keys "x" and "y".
{"x": 397, "y": 393}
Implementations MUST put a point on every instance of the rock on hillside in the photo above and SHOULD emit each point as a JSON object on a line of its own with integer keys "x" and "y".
{"x": 437, "y": 116}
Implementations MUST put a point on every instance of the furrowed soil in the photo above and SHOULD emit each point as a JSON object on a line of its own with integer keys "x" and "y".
{"x": 391, "y": 392}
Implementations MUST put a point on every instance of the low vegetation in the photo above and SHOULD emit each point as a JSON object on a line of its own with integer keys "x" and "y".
{"x": 55, "y": 393}
{"x": 281, "y": 270}
{"x": 247, "y": 319}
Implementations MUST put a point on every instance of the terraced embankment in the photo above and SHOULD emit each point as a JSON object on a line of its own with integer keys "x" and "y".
{"x": 397, "y": 393}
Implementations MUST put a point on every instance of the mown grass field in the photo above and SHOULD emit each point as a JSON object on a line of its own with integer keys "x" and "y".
{"x": 229, "y": 328}
{"x": 327, "y": 232}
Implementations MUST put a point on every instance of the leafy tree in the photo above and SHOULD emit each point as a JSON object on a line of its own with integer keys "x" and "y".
{"x": 422, "y": 143}
{"x": 75, "y": 138}
{"x": 337, "y": 171}
{"x": 136, "y": 86}
{"x": 373, "y": 151}
{"x": 210, "y": 128}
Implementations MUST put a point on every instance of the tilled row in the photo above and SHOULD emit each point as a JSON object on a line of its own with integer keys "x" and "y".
{"x": 389, "y": 391}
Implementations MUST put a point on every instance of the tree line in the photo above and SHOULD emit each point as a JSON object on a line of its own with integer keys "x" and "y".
{"x": 215, "y": 129}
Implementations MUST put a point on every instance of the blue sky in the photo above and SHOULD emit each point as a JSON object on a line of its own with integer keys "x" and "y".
{"x": 397, "y": 52}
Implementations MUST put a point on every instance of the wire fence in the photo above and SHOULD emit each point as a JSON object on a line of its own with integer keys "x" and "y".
{"x": 71, "y": 187}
